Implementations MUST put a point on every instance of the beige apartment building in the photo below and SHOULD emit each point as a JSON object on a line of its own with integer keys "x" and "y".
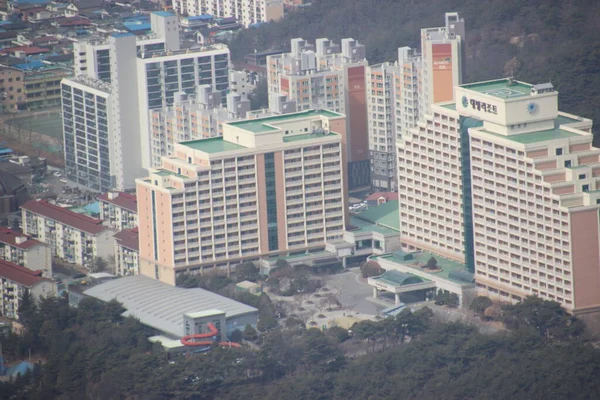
{"x": 270, "y": 186}
{"x": 118, "y": 210}
{"x": 21, "y": 249}
{"x": 506, "y": 184}
{"x": 72, "y": 237}
{"x": 535, "y": 195}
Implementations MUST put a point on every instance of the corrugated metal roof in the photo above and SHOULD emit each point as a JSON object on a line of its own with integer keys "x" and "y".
{"x": 162, "y": 306}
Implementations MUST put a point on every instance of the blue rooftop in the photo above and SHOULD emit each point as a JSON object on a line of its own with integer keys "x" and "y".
{"x": 137, "y": 25}
{"x": 30, "y": 65}
{"x": 164, "y": 13}
{"x": 17, "y": 2}
{"x": 122, "y": 34}
{"x": 203, "y": 17}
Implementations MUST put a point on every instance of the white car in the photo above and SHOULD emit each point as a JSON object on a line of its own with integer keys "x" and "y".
{"x": 63, "y": 180}
{"x": 57, "y": 174}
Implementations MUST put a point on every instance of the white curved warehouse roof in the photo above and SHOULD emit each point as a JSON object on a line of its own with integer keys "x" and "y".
{"x": 161, "y": 306}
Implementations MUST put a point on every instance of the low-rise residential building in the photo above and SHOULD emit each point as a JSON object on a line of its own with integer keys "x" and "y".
{"x": 15, "y": 280}
{"x": 127, "y": 252}
{"x": 118, "y": 210}
{"x": 72, "y": 237}
{"x": 23, "y": 250}
{"x": 12, "y": 92}
{"x": 42, "y": 86}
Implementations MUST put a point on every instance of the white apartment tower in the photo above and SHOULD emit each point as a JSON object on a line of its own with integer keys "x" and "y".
{"x": 144, "y": 73}
{"x": 192, "y": 117}
{"x": 392, "y": 106}
{"x": 332, "y": 77}
{"x": 246, "y": 12}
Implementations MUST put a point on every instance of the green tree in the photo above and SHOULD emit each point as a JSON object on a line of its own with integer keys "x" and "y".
{"x": 98, "y": 264}
{"x": 371, "y": 268}
{"x": 432, "y": 263}
{"x": 249, "y": 333}
{"x": 479, "y": 304}
{"x": 236, "y": 336}
{"x": 246, "y": 272}
{"x": 337, "y": 333}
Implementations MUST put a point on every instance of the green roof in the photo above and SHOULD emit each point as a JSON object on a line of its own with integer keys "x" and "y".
{"x": 451, "y": 106}
{"x": 386, "y": 214}
{"x": 165, "y": 172}
{"x": 212, "y": 145}
{"x": 398, "y": 278}
{"x": 260, "y": 125}
{"x": 365, "y": 226}
{"x": 563, "y": 120}
{"x": 538, "y": 136}
{"x": 500, "y": 88}
{"x": 306, "y": 136}
{"x": 449, "y": 270}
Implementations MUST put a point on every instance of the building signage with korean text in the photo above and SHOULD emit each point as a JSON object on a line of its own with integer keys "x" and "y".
{"x": 479, "y": 105}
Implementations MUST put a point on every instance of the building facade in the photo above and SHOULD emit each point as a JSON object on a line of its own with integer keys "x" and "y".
{"x": 332, "y": 77}
{"x": 190, "y": 118}
{"x": 506, "y": 184}
{"x": 247, "y": 12}
{"x": 12, "y": 89}
{"x": 442, "y": 61}
{"x": 269, "y": 186}
{"x": 127, "y": 252}
{"x": 142, "y": 73}
{"x": 535, "y": 195}
{"x": 20, "y": 249}
{"x": 118, "y": 210}
{"x": 392, "y": 92}
{"x": 92, "y": 156}
{"x": 15, "y": 280}
{"x": 72, "y": 237}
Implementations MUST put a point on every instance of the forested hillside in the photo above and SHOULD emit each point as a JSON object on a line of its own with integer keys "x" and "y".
{"x": 537, "y": 40}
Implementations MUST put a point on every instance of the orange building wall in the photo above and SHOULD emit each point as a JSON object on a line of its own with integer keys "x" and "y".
{"x": 263, "y": 233}
{"x": 586, "y": 258}
{"x": 281, "y": 211}
{"x": 442, "y": 65}
{"x": 357, "y": 112}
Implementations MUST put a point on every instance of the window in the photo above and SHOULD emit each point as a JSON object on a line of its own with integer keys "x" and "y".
{"x": 559, "y": 152}
{"x": 581, "y": 176}
{"x": 597, "y": 201}
{"x": 585, "y": 188}
{"x": 568, "y": 164}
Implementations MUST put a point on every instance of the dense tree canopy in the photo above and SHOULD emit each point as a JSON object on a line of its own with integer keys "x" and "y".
{"x": 552, "y": 40}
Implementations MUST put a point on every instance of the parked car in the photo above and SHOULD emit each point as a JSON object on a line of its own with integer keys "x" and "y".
{"x": 63, "y": 180}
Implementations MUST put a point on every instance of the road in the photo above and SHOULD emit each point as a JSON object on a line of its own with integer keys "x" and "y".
{"x": 352, "y": 292}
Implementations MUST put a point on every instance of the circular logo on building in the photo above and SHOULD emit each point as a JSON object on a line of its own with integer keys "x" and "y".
{"x": 532, "y": 108}
{"x": 465, "y": 101}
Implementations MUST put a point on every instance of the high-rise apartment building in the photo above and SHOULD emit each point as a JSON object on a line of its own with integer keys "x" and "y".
{"x": 142, "y": 73}
{"x": 192, "y": 117}
{"x": 331, "y": 77}
{"x": 504, "y": 182}
{"x": 268, "y": 186}
{"x": 442, "y": 61}
{"x": 402, "y": 92}
{"x": 247, "y": 12}
{"x": 392, "y": 107}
